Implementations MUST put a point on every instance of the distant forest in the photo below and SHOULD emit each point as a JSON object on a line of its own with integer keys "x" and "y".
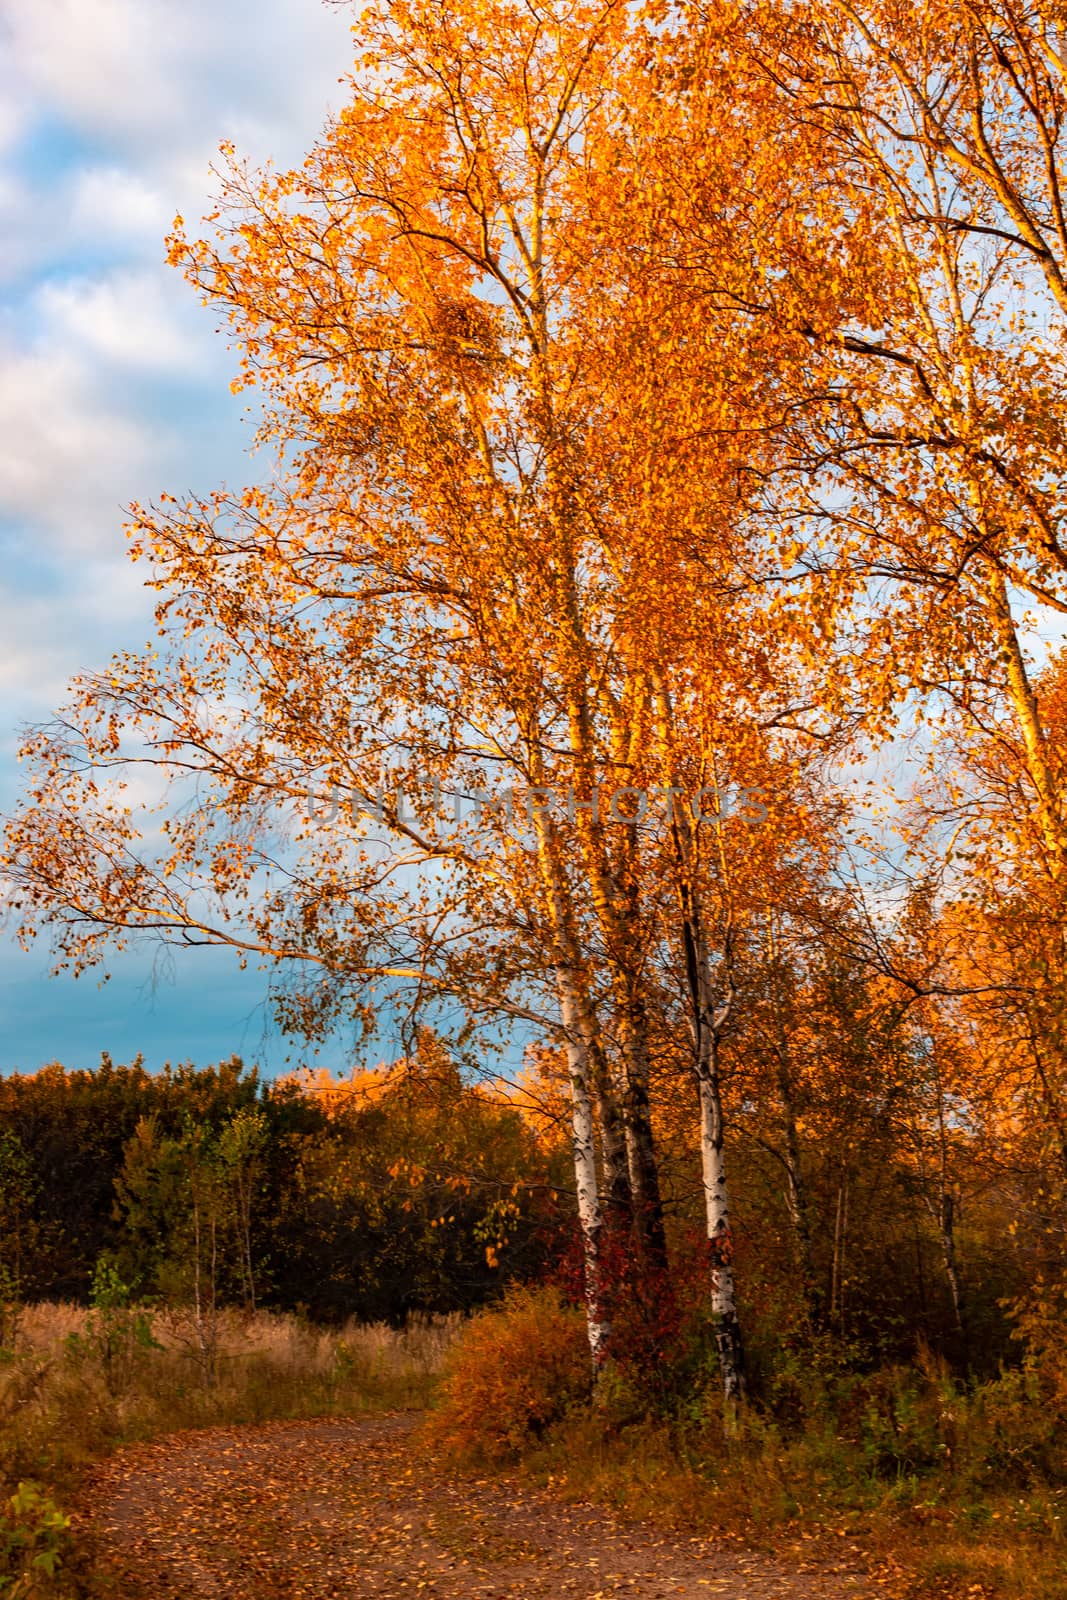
{"x": 398, "y": 1193}
{"x": 412, "y": 1189}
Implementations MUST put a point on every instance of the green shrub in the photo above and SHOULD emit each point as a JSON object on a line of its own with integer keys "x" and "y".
{"x": 116, "y": 1334}
{"x": 514, "y": 1371}
{"x": 33, "y": 1541}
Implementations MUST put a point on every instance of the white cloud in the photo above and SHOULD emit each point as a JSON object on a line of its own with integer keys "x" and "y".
{"x": 89, "y": 354}
{"x": 111, "y": 112}
{"x": 147, "y": 70}
{"x": 150, "y": 89}
{"x": 12, "y": 118}
{"x": 104, "y": 62}
{"x": 51, "y": 636}
{"x": 38, "y": 661}
{"x": 109, "y": 202}
{"x": 128, "y": 320}
{"x": 33, "y": 647}
{"x": 66, "y": 449}
{"x": 18, "y": 225}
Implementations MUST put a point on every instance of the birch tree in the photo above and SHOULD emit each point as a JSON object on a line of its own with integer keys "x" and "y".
{"x": 402, "y": 718}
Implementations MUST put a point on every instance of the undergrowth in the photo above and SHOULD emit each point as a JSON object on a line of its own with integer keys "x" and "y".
{"x": 77, "y": 1384}
{"x": 938, "y": 1487}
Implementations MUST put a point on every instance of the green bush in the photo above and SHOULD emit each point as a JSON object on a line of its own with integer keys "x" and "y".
{"x": 116, "y": 1334}
{"x": 33, "y": 1541}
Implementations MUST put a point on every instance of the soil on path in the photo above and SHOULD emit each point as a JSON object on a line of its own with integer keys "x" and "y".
{"x": 335, "y": 1508}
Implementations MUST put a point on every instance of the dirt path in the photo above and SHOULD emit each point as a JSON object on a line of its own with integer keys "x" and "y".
{"x": 330, "y": 1509}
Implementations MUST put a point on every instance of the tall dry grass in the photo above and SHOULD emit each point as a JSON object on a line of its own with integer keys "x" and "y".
{"x": 75, "y": 1384}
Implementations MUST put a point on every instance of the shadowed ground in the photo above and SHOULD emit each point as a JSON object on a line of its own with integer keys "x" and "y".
{"x": 331, "y": 1508}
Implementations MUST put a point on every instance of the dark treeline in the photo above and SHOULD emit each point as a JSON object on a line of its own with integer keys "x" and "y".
{"x": 861, "y": 1217}
{"x": 394, "y": 1194}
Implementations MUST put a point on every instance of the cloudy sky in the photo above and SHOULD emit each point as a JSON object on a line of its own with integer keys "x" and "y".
{"x": 114, "y": 386}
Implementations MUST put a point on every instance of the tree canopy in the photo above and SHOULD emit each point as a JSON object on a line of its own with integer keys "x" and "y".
{"x": 665, "y": 403}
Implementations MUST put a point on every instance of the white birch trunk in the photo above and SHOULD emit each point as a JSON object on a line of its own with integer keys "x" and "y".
{"x": 590, "y": 1220}
{"x": 717, "y": 1221}
{"x": 575, "y": 1016}
{"x": 705, "y": 1025}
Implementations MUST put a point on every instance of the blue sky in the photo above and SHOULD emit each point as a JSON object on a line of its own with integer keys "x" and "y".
{"x": 114, "y": 386}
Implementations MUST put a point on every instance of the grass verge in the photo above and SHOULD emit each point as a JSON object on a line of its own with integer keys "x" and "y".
{"x": 78, "y": 1384}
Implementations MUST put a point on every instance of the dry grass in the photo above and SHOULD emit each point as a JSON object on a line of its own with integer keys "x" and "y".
{"x": 44, "y": 1330}
{"x": 920, "y": 1537}
{"x": 945, "y": 1491}
{"x": 74, "y": 1388}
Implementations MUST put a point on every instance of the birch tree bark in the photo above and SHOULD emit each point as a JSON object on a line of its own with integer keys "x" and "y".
{"x": 577, "y": 1019}
{"x": 590, "y": 1219}
{"x": 706, "y": 1023}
